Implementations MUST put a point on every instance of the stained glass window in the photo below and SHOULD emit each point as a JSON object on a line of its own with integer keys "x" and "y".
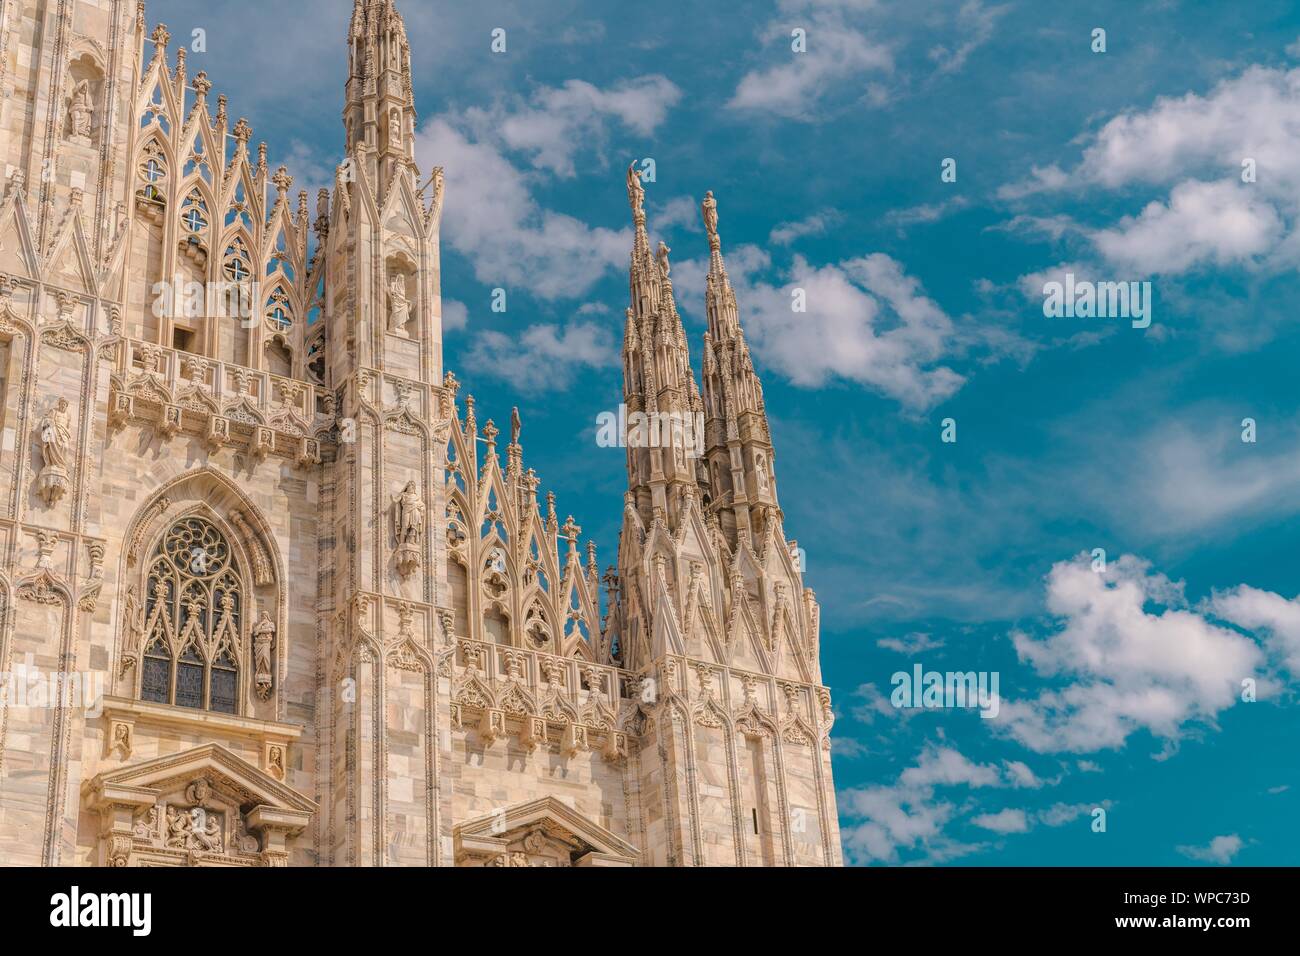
{"x": 193, "y": 617}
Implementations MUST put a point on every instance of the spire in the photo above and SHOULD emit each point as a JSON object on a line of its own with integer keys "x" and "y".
{"x": 379, "y": 116}
{"x": 659, "y": 389}
{"x": 741, "y": 474}
{"x": 719, "y": 299}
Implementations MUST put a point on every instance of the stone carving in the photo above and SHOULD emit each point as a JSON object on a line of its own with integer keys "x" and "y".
{"x": 263, "y": 641}
{"x": 194, "y": 829}
{"x": 262, "y": 575}
{"x": 56, "y": 438}
{"x": 635, "y": 191}
{"x": 661, "y": 257}
{"x": 709, "y": 208}
{"x": 408, "y": 523}
{"x": 81, "y": 113}
{"x": 121, "y": 744}
{"x": 399, "y": 311}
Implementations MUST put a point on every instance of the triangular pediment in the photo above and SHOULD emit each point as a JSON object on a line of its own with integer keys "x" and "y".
{"x": 542, "y": 832}
{"x": 224, "y": 770}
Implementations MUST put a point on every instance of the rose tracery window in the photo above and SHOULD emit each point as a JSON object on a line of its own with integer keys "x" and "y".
{"x": 193, "y": 614}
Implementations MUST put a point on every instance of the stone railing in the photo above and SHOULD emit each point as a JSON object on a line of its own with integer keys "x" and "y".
{"x": 225, "y": 404}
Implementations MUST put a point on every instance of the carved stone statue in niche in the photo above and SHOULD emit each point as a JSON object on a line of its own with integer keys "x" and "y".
{"x": 263, "y": 640}
{"x": 399, "y": 307}
{"x": 81, "y": 112}
{"x": 408, "y": 524}
{"x": 56, "y": 439}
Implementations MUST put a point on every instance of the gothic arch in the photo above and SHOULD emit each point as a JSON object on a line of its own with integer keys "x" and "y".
{"x": 207, "y": 494}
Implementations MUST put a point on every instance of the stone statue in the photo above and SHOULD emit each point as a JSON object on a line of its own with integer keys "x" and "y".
{"x": 263, "y": 639}
{"x": 394, "y": 128}
{"x": 410, "y": 515}
{"x": 399, "y": 313}
{"x": 408, "y": 524}
{"x": 710, "y": 210}
{"x": 515, "y": 426}
{"x": 56, "y": 440}
{"x": 635, "y": 191}
{"x": 80, "y": 112}
{"x": 664, "y": 266}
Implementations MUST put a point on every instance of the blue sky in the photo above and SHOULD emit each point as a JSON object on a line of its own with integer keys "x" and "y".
{"x": 1120, "y": 690}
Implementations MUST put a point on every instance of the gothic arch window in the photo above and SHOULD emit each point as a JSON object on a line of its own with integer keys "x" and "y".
{"x": 193, "y": 614}
{"x": 235, "y": 264}
{"x": 279, "y": 313}
{"x": 152, "y": 173}
{"x": 194, "y": 214}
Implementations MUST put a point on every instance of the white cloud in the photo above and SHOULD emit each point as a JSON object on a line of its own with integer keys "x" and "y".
{"x": 1219, "y": 850}
{"x": 492, "y": 219}
{"x": 1009, "y": 820}
{"x": 876, "y": 703}
{"x": 680, "y": 212}
{"x": 814, "y": 225}
{"x": 1189, "y": 476}
{"x": 555, "y": 123}
{"x": 1059, "y": 814}
{"x": 892, "y": 819}
{"x": 1219, "y": 223}
{"x": 545, "y": 357}
{"x": 948, "y": 767}
{"x": 1273, "y": 615}
{"x": 1195, "y": 146}
{"x": 1131, "y": 668}
{"x": 914, "y": 643}
{"x": 837, "y": 54}
{"x": 867, "y": 321}
{"x": 926, "y": 212}
{"x": 455, "y": 315}
{"x": 976, "y": 22}
{"x": 909, "y": 816}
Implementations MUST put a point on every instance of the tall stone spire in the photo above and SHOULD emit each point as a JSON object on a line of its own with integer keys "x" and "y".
{"x": 379, "y": 114}
{"x": 742, "y": 477}
{"x": 659, "y": 389}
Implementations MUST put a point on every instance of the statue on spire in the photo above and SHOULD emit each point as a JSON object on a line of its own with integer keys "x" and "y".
{"x": 635, "y": 191}
{"x": 662, "y": 256}
{"x": 710, "y": 210}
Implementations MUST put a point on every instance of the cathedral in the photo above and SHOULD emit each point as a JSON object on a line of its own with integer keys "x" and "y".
{"x": 274, "y": 589}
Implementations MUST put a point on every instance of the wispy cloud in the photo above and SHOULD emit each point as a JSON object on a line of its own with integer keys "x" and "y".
{"x": 1220, "y": 850}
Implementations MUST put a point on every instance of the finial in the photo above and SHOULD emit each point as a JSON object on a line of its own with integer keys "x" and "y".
{"x": 635, "y": 191}
{"x": 282, "y": 179}
{"x": 202, "y": 84}
{"x": 160, "y": 38}
{"x": 571, "y": 531}
{"x": 710, "y": 210}
{"x": 243, "y": 132}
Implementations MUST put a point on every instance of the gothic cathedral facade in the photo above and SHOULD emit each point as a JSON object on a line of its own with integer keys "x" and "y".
{"x": 271, "y": 595}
